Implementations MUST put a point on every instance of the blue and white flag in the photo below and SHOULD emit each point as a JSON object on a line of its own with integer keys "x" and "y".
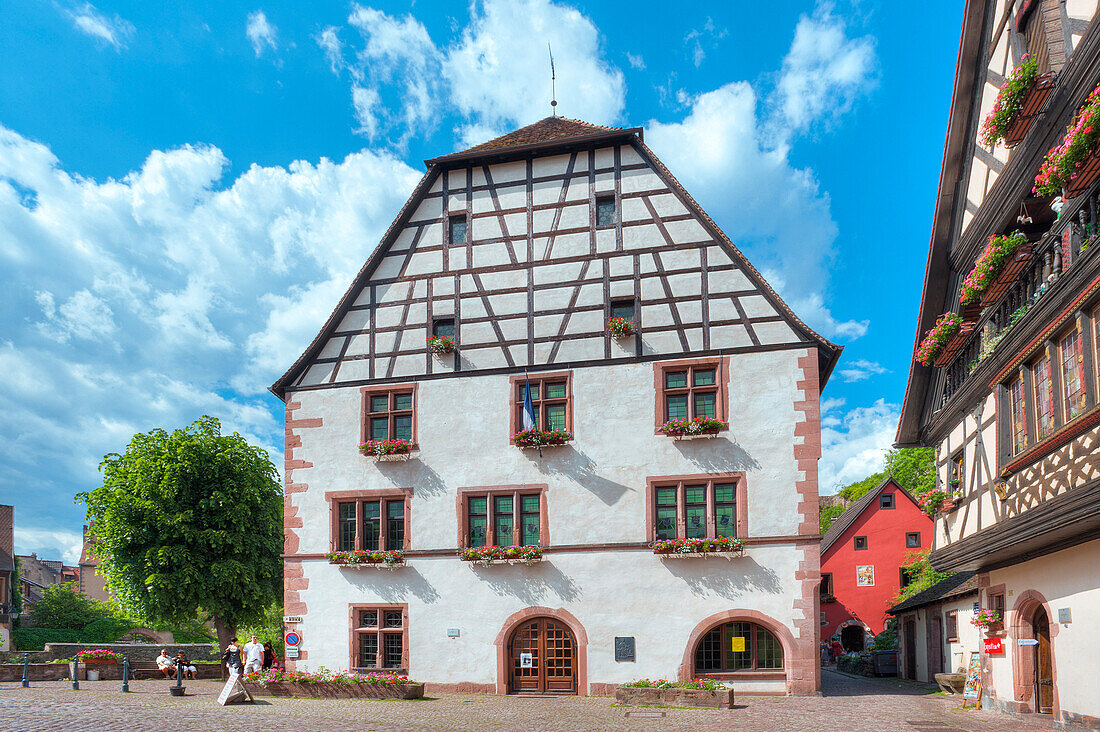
{"x": 528, "y": 407}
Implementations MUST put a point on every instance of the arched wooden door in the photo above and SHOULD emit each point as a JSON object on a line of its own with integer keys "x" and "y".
{"x": 543, "y": 657}
{"x": 1044, "y": 669}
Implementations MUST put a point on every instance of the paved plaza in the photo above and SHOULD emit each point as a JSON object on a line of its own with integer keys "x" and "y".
{"x": 847, "y": 704}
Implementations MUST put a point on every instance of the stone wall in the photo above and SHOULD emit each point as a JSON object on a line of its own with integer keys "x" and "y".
{"x": 35, "y": 671}
{"x": 136, "y": 651}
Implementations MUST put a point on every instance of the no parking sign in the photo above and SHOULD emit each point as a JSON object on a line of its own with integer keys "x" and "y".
{"x": 292, "y": 638}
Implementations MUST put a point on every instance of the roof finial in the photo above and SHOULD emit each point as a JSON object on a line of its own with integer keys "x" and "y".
{"x": 553, "y": 90}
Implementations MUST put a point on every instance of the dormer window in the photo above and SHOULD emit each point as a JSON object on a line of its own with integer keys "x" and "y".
{"x": 458, "y": 229}
{"x": 605, "y": 211}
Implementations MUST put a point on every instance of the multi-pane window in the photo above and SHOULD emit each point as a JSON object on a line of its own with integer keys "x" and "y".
{"x": 955, "y": 471}
{"x": 691, "y": 392}
{"x": 380, "y": 635}
{"x": 997, "y": 605}
{"x": 1019, "y": 416}
{"x": 738, "y": 646}
{"x": 605, "y": 211}
{"x": 458, "y": 229}
{"x": 623, "y": 309}
{"x": 886, "y": 500}
{"x": 912, "y": 540}
{"x": 1073, "y": 374}
{"x": 380, "y": 524}
{"x": 1044, "y": 397}
{"x": 443, "y": 327}
{"x": 694, "y": 509}
{"x": 550, "y": 398}
{"x": 389, "y": 414}
{"x": 860, "y": 543}
{"x": 503, "y": 517}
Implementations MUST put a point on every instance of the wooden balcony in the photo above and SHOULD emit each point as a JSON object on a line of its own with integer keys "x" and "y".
{"x": 951, "y": 348}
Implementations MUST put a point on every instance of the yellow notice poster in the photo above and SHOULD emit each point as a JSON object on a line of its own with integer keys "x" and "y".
{"x": 737, "y": 644}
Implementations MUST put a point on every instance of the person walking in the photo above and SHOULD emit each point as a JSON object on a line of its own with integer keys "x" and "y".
{"x": 254, "y": 656}
{"x": 232, "y": 657}
{"x": 269, "y": 656}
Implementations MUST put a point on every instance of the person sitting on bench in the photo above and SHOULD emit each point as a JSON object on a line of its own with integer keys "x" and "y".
{"x": 189, "y": 670}
{"x": 165, "y": 664}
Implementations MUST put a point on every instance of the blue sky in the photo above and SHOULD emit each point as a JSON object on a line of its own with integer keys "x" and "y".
{"x": 186, "y": 192}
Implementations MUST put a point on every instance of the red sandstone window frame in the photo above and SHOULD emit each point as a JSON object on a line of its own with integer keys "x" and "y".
{"x": 740, "y": 495}
{"x": 516, "y": 384}
{"x": 356, "y": 630}
{"x": 383, "y": 495}
{"x": 390, "y": 389}
{"x": 721, "y": 366}
{"x": 462, "y": 503}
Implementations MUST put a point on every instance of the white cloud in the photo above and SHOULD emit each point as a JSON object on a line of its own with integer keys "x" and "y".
{"x": 150, "y": 300}
{"x": 695, "y": 38}
{"x": 366, "y": 103}
{"x": 261, "y": 33}
{"x": 860, "y": 370}
{"x": 114, "y": 31}
{"x": 496, "y": 75}
{"x": 636, "y": 61}
{"x": 854, "y": 443}
{"x": 825, "y": 71}
{"x": 50, "y": 545}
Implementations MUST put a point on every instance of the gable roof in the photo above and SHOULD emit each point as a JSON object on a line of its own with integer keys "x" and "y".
{"x": 547, "y": 131}
{"x": 957, "y": 585}
{"x": 546, "y": 134}
{"x": 846, "y": 519}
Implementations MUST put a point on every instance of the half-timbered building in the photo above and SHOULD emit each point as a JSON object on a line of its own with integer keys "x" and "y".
{"x": 1008, "y": 391}
{"x": 503, "y": 372}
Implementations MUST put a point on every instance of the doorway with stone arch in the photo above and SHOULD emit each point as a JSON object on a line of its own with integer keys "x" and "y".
{"x": 542, "y": 651}
{"x": 1034, "y": 671}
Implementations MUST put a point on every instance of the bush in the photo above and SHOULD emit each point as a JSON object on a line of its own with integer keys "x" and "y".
{"x": 887, "y": 640}
{"x": 105, "y": 630}
{"x": 35, "y": 639}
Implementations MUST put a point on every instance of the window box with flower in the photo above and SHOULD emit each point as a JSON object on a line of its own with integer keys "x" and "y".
{"x": 536, "y": 438}
{"x": 825, "y": 599}
{"x": 936, "y": 502}
{"x": 1073, "y": 165}
{"x": 391, "y": 449}
{"x": 489, "y": 555}
{"x": 441, "y": 345}
{"x": 620, "y": 327}
{"x": 995, "y": 270}
{"x": 690, "y": 428}
{"x": 388, "y": 559}
{"x": 943, "y": 339}
{"x": 1018, "y": 103}
{"x": 726, "y": 547}
{"x": 988, "y": 621}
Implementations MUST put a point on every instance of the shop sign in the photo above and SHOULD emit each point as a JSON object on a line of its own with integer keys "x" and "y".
{"x": 993, "y": 645}
{"x": 1027, "y": 641}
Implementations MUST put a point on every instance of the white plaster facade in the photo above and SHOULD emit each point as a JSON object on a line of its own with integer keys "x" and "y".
{"x": 696, "y": 297}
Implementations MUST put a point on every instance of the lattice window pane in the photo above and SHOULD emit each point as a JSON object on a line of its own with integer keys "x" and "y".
{"x": 769, "y": 654}
{"x": 725, "y": 521}
{"x": 529, "y": 507}
{"x": 1072, "y": 375}
{"x": 676, "y": 379}
{"x": 478, "y": 520}
{"x": 555, "y": 416}
{"x": 738, "y": 659}
{"x": 444, "y": 327}
{"x": 702, "y": 377}
{"x": 379, "y": 428}
{"x": 458, "y": 230}
{"x": 395, "y": 525}
{"x": 380, "y": 403}
{"x": 392, "y": 650}
{"x": 391, "y": 619}
{"x": 708, "y": 654}
{"x": 372, "y": 526}
{"x": 623, "y": 309}
{"x": 705, "y": 404}
{"x": 368, "y": 650}
{"x": 402, "y": 401}
{"x": 676, "y": 407}
{"x": 605, "y": 212}
{"x": 368, "y": 618}
{"x": 556, "y": 390}
{"x": 347, "y": 527}
{"x": 503, "y": 520}
{"x": 666, "y": 523}
{"x": 696, "y": 523}
{"x": 403, "y": 427}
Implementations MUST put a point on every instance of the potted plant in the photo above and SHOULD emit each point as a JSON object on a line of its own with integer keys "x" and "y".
{"x": 724, "y": 545}
{"x": 986, "y": 620}
{"x": 379, "y": 448}
{"x": 947, "y": 325}
{"x": 988, "y": 266}
{"x": 99, "y": 655}
{"x": 693, "y": 427}
{"x": 934, "y": 502}
{"x": 541, "y": 438}
{"x": 441, "y": 344}
{"x": 828, "y": 598}
{"x": 1008, "y": 121}
{"x": 662, "y": 692}
{"x": 487, "y": 555}
{"x": 620, "y": 327}
{"x": 1072, "y": 165}
{"x": 390, "y": 558}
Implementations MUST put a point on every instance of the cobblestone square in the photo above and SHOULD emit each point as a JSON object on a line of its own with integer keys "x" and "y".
{"x": 847, "y": 704}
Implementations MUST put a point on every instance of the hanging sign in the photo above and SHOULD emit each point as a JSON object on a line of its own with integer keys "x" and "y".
{"x": 993, "y": 645}
{"x": 737, "y": 644}
{"x": 526, "y": 660}
{"x": 292, "y": 638}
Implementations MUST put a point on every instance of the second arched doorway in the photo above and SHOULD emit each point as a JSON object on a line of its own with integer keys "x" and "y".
{"x": 542, "y": 658}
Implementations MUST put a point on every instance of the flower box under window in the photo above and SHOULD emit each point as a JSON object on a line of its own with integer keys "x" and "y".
{"x": 954, "y": 344}
{"x": 1033, "y": 102}
{"x": 440, "y": 345}
{"x": 726, "y": 547}
{"x": 393, "y": 449}
{"x": 1008, "y": 275}
{"x": 391, "y": 559}
{"x": 828, "y": 598}
{"x": 1073, "y": 164}
{"x": 620, "y": 327}
{"x": 489, "y": 555}
{"x": 937, "y": 337}
{"x": 691, "y": 428}
{"x": 537, "y": 438}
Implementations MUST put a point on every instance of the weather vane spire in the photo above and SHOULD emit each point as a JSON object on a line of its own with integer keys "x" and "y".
{"x": 553, "y": 90}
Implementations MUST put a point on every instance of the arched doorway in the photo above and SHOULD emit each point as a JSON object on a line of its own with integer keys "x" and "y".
{"x": 542, "y": 658}
{"x": 1044, "y": 669}
{"x": 851, "y": 637}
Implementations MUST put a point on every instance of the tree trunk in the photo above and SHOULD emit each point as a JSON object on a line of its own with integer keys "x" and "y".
{"x": 226, "y": 631}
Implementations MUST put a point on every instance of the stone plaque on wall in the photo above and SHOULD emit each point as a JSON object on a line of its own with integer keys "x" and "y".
{"x": 624, "y": 648}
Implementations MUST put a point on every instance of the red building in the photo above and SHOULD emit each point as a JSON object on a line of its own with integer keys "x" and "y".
{"x": 862, "y": 555}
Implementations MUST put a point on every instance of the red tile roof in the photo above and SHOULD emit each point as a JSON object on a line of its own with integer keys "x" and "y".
{"x": 545, "y": 131}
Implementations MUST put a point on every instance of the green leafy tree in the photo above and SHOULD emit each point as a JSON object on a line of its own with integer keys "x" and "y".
{"x": 16, "y": 594}
{"x": 269, "y": 628}
{"x": 914, "y": 468}
{"x": 64, "y": 607}
{"x": 190, "y": 520}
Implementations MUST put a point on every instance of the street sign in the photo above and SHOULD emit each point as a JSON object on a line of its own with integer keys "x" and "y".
{"x": 292, "y": 618}
{"x": 292, "y": 638}
{"x": 291, "y": 652}
{"x": 993, "y": 645}
{"x": 1027, "y": 641}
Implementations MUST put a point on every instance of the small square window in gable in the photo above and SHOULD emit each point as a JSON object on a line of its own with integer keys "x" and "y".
{"x": 860, "y": 542}
{"x": 605, "y": 211}
{"x": 624, "y": 309}
{"x": 443, "y": 327}
{"x": 458, "y": 229}
{"x": 886, "y": 500}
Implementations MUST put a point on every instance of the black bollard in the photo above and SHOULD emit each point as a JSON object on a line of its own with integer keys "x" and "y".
{"x": 178, "y": 689}
{"x": 125, "y": 673}
{"x": 76, "y": 672}
{"x": 26, "y": 679}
